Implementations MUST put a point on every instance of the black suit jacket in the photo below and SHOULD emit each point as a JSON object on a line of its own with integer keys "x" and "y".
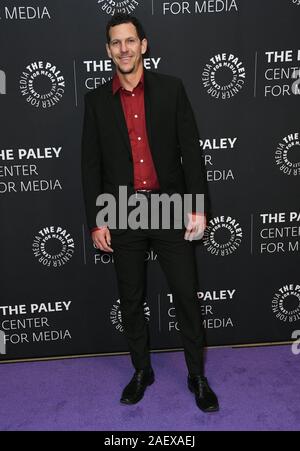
{"x": 172, "y": 132}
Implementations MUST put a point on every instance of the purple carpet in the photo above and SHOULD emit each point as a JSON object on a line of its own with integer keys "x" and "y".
{"x": 258, "y": 389}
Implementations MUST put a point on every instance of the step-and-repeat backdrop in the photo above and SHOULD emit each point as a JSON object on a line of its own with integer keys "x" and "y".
{"x": 239, "y": 60}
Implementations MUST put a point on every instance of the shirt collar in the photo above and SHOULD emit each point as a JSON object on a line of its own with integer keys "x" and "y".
{"x": 116, "y": 84}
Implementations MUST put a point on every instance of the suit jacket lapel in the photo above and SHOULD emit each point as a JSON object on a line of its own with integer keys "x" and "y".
{"x": 120, "y": 119}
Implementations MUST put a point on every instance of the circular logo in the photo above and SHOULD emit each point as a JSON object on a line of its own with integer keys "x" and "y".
{"x": 42, "y": 84}
{"x": 53, "y": 246}
{"x": 222, "y": 236}
{"x": 286, "y": 303}
{"x": 287, "y": 154}
{"x": 224, "y": 76}
{"x": 112, "y": 7}
{"x": 116, "y": 315}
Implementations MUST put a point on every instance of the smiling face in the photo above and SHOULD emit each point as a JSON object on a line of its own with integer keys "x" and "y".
{"x": 125, "y": 48}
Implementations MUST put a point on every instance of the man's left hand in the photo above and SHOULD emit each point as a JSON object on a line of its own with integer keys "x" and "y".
{"x": 195, "y": 227}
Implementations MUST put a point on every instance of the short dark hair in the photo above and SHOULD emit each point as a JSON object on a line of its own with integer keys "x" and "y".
{"x": 120, "y": 18}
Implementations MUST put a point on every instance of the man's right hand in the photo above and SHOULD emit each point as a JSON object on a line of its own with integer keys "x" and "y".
{"x": 102, "y": 239}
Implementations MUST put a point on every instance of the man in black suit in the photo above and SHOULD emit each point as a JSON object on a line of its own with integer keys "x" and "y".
{"x": 140, "y": 133}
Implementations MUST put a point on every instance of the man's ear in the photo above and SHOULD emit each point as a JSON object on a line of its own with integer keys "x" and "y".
{"x": 108, "y": 50}
{"x": 144, "y": 46}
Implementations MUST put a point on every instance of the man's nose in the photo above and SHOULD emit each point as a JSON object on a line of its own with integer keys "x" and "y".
{"x": 124, "y": 48}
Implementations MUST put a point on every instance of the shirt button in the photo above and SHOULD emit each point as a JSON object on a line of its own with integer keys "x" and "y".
{"x": 133, "y": 95}
{"x": 135, "y": 115}
{"x": 142, "y": 161}
{"x": 144, "y": 182}
{"x": 139, "y": 138}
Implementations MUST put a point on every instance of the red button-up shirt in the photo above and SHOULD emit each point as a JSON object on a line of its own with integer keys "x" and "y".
{"x": 145, "y": 176}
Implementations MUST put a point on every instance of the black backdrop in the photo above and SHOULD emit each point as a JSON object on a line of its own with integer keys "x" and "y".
{"x": 239, "y": 62}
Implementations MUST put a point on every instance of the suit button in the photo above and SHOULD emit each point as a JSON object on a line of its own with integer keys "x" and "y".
{"x": 130, "y": 183}
{"x": 129, "y": 158}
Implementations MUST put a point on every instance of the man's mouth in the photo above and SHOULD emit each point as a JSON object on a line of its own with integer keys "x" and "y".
{"x": 125, "y": 59}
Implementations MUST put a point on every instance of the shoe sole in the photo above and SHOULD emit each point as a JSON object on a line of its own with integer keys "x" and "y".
{"x": 125, "y": 402}
{"x": 215, "y": 408}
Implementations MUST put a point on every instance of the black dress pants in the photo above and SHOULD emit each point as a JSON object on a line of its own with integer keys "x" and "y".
{"x": 178, "y": 262}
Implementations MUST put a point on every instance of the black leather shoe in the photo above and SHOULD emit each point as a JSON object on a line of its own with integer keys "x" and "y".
{"x": 205, "y": 398}
{"x": 135, "y": 390}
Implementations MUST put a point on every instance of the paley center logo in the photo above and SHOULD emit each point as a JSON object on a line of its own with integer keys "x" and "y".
{"x": 116, "y": 315}
{"x": 222, "y": 236}
{"x": 113, "y": 7}
{"x": 26, "y": 13}
{"x": 42, "y": 84}
{"x": 53, "y": 246}
{"x": 2, "y": 82}
{"x": 223, "y": 76}
{"x": 199, "y": 7}
{"x": 286, "y": 303}
{"x": 287, "y": 154}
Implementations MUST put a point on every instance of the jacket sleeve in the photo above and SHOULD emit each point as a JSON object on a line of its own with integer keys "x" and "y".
{"x": 90, "y": 163}
{"x": 188, "y": 140}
